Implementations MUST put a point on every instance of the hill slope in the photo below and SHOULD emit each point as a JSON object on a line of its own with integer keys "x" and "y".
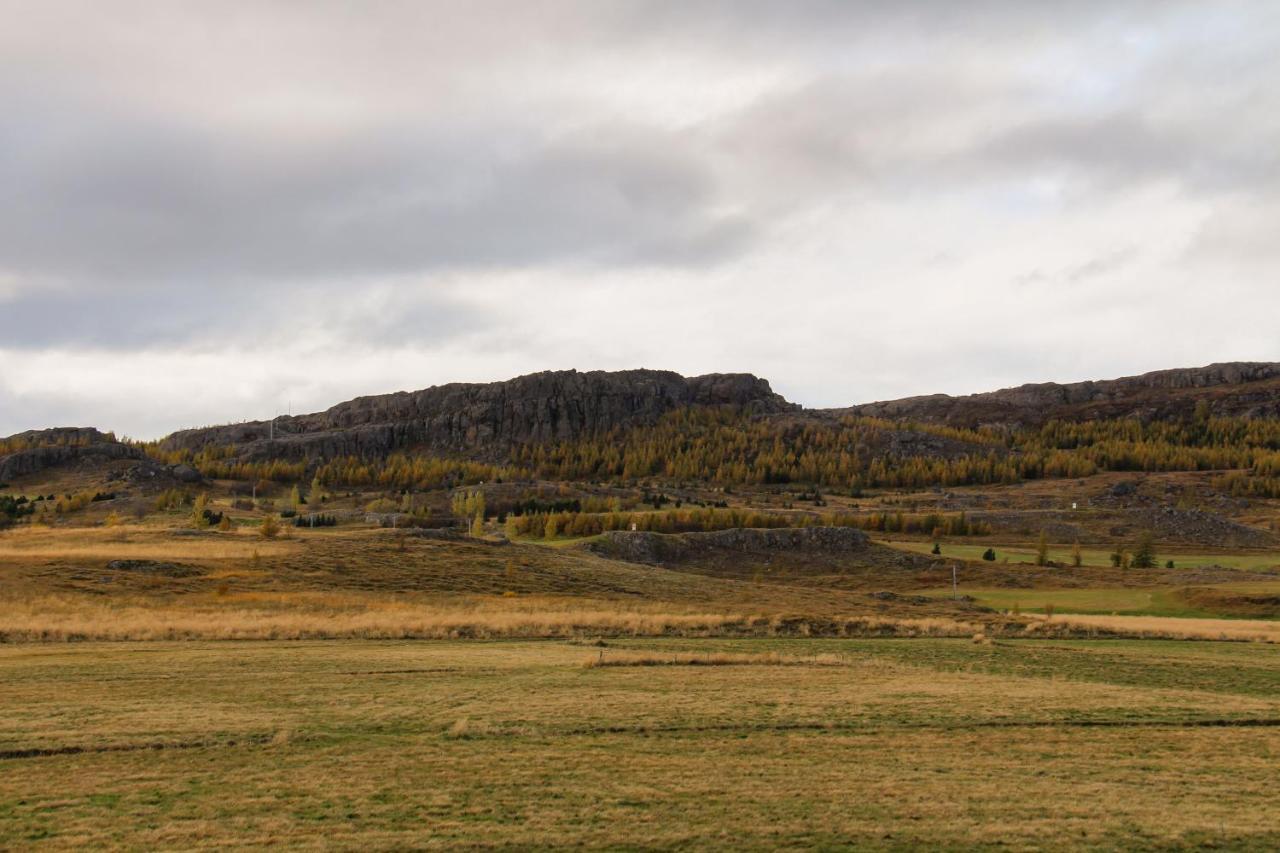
{"x": 1250, "y": 389}
{"x": 485, "y": 418}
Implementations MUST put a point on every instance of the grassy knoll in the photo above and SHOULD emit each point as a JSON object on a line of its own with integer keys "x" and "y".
{"x": 1091, "y": 556}
{"x": 883, "y": 744}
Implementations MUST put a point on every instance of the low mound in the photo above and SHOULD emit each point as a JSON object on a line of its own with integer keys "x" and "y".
{"x": 743, "y": 546}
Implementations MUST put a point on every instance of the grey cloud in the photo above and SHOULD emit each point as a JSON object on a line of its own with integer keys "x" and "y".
{"x": 128, "y": 198}
{"x": 203, "y": 315}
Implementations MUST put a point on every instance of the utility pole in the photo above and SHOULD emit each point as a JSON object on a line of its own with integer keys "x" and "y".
{"x": 955, "y": 587}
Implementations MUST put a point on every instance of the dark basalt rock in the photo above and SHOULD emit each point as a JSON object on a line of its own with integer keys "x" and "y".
{"x": 485, "y": 419}
{"x": 62, "y": 446}
{"x": 1247, "y": 389}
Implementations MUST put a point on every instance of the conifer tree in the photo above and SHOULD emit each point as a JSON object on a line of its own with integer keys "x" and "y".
{"x": 1145, "y": 555}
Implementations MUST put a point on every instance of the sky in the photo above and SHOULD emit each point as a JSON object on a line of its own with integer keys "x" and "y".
{"x": 212, "y": 212}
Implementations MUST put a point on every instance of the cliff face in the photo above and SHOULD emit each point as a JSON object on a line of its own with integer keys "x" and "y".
{"x": 1249, "y": 389}
{"x": 61, "y": 446}
{"x": 483, "y": 418}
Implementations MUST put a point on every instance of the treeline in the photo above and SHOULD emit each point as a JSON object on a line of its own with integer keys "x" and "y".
{"x": 402, "y": 471}
{"x": 399, "y": 471}
{"x": 13, "y": 508}
{"x": 544, "y": 525}
{"x": 727, "y": 447}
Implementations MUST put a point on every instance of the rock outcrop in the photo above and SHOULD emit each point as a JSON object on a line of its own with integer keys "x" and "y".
{"x": 48, "y": 448}
{"x": 1249, "y": 389}
{"x": 485, "y": 419}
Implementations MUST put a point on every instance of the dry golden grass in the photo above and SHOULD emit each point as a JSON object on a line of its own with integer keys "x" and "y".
{"x": 403, "y": 745}
{"x": 297, "y": 616}
{"x": 134, "y": 542}
{"x": 709, "y": 659}
{"x": 1163, "y": 627}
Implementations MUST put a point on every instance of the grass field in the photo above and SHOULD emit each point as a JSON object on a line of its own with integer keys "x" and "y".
{"x": 1159, "y": 601}
{"x": 892, "y": 744}
{"x": 1091, "y": 556}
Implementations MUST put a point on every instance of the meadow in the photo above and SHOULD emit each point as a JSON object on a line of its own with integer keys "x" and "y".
{"x": 881, "y": 744}
{"x": 1058, "y": 553}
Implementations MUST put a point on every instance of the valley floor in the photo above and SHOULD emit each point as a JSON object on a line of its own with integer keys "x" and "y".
{"x": 889, "y": 743}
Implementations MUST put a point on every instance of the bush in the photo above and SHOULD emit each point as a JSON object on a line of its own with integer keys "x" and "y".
{"x": 989, "y": 555}
{"x": 270, "y": 528}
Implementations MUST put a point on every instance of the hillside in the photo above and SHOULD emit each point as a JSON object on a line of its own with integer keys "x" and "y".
{"x": 1239, "y": 389}
{"x": 484, "y": 419}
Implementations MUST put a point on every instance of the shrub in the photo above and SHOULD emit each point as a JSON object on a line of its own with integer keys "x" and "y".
{"x": 270, "y": 528}
{"x": 989, "y": 555}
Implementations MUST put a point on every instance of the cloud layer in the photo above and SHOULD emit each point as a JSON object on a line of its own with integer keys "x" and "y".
{"x": 209, "y": 216}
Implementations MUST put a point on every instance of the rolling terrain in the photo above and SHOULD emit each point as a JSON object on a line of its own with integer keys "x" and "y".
{"x": 669, "y": 600}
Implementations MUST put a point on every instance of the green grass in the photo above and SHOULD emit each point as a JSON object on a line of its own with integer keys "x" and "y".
{"x": 1123, "y": 601}
{"x": 1090, "y": 556}
{"x": 940, "y": 744}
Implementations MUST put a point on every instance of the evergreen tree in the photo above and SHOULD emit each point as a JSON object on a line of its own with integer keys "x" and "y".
{"x": 1145, "y": 555}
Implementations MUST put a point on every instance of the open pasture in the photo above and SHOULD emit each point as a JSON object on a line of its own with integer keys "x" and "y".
{"x": 883, "y": 744}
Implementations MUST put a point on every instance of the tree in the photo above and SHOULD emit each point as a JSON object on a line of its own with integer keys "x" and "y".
{"x": 295, "y": 497}
{"x": 1042, "y": 549}
{"x": 1145, "y": 555}
{"x": 1077, "y": 558}
{"x": 989, "y": 555}
{"x": 477, "y": 526}
{"x": 553, "y": 527}
{"x": 937, "y": 549}
{"x": 316, "y": 492}
{"x": 225, "y": 524}
{"x": 270, "y": 528}
{"x": 198, "y": 508}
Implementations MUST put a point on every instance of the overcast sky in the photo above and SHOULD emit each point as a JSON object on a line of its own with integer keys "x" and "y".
{"x": 216, "y": 211}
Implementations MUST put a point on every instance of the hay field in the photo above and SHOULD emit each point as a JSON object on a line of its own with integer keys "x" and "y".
{"x": 898, "y": 744}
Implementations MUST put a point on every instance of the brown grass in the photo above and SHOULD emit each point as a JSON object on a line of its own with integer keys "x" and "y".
{"x": 714, "y": 659}
{"x": 1164, "y": 627}
{"x": 135, "y": 542}
{"x": 266, "y": 615}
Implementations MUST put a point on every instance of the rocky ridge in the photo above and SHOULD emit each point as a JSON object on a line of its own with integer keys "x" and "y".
{"x": 485, "y": 418}
{"x": 1249, "y": 389}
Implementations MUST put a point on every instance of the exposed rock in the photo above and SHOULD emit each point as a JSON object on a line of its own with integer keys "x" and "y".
{"x": 1249, "y": 389}
{"x": 154, "y": 567}
{"x": 486, "y": 418}
{"x": 62, "y": 446}
{"x": 186, "y": 474}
